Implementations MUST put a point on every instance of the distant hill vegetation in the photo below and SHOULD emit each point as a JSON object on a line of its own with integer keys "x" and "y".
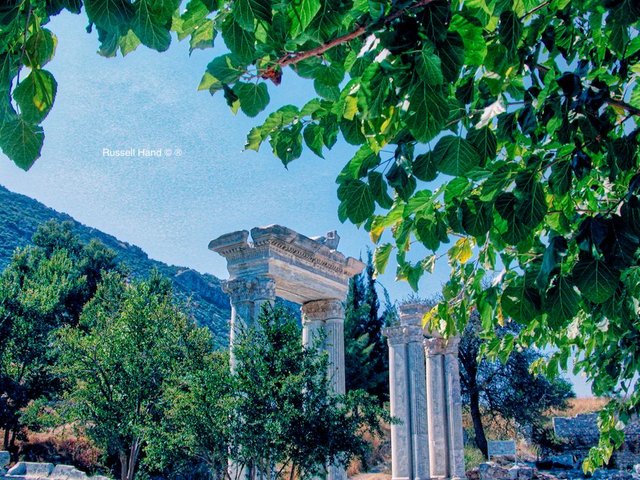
{"x": 201, "y": 293}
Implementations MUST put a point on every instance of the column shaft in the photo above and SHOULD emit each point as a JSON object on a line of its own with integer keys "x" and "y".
{"x": 456, "y": 437}
{"x": 437, "y": 410}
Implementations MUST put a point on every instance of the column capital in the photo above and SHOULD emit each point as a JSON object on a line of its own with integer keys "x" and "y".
{"x": 441, "y": 346}
{"x": 322, "y": 310}
{"x": 403, "y": 334}
{"x": 250, "y": 289}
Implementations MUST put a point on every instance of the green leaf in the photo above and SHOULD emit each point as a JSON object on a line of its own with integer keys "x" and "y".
{"x": 520, "y": 302}
{"x": 451, "y": 52}
{"x": 461, "y": 251}
{"x": 21, "y": 141}
{"x": 455, "y": 156}
{"x": 381, "y": 257}
{"x": 35, "y": 95}
{"x": 202, "y": 38}
{"x": 301, "y": 15}
{"x": 287, "y": 143}
{"x": 110, "y": 15}
{"x": 484, "y": 141}
{"x": 238, "y": 40}
{"x": 596, "y": 281}
{"x": 476, "y": 217}
{"x": 128, "y": 43}
{"x": 246, "y": 12}
{"x": 254, "y": 97}
{"x": 313, "y": 138}
{"x": 379, "y": 189}
{"x": 563, "y": 301}
{"x": 510, "y": 31}
{"x": 429, "y": 111}
{"x": 225, "y": 69}
{"x": 533, "y": 206}
{"x": 424, "y": 167}
{"x": 150, "y": 28}
{"x": 475, "y": 45}
{"x": 357, "y": 197}
{"x": 429, "y": 65}
{"x": 40, "y": 48}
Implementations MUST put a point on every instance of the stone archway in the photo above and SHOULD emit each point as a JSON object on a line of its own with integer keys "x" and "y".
{"x": 278, "y": 262}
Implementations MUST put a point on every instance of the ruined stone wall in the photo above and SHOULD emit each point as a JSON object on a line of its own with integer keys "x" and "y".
{"x": 41, "y": 471}
{"x": 580, "y": 433}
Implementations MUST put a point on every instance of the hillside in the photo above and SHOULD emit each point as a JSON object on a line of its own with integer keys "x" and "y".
{"x": 201, "y": 293}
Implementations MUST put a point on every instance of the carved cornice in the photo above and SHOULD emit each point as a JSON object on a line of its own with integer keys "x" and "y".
{"x": 250, "y": 289}
{"x": 322, "y": 310}
{"x": 403, "y": 334}
{"x": 441, "y": 346}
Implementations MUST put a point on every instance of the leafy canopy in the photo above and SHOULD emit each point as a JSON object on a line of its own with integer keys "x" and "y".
{"x": 498, "y": 135}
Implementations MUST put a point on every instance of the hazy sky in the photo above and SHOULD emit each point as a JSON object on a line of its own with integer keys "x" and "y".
{"x": 174, "y": 205}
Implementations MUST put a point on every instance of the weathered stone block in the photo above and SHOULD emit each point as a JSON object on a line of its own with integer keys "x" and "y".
{"x": 5, "y": 458}
{"x": 31, "y": 469}
{"x": 67, "y": 472}
{"x": 493, "y": 471}
{"x": 566, "y": 461}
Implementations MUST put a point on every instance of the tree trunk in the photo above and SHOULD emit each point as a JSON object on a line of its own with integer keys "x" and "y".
{"x": 476, "y": 416}
{"x": 6, "y": 439}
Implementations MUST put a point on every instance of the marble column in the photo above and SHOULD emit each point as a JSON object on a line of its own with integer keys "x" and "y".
{"x": 323, "y": 320}
{"x": 409, "y": 439}
{"x": 326, "y": 318}
{"x": 444, "y": 405}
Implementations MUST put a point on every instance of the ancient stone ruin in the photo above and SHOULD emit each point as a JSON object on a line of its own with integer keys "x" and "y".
{"x": 580, "y": 433}
{"x": 425, "y": 396}
{"x": 41, "y": 471}
{"x": 279, "y": 262}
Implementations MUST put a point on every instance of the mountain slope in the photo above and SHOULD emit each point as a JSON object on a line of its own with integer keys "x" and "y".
{"x": 201, "y": 293}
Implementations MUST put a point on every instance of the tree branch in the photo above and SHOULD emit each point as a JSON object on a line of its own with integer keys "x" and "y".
{"x": 293, "y": 58}
{"x": 619, "y": 103}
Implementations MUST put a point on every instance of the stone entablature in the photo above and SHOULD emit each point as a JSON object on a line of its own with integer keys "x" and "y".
{"x": 304, "y": 269}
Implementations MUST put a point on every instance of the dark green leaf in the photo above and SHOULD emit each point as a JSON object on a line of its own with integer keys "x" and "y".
{"x": 563, "y": 301}
{"x": 484, "y": 141}
{"x": 21, "y": 141}
{"x": 455, "y": 156}
{"x": 424, "y": 168}
{"x": 254, "y": 97}
{"x": 510, "y": 31}
{"x": 379, "y": 189}
{"x": 110, "y": 15}
{"x": 429, "y": 111}
{"x": 246, "y": 12}
{"x": 596, "y": 281}
{"x": 358, "y": 200}
{"x": 35, "y": 95}
{"x": 476, "y": 217}
{"x": 313, "y": 138}
{"x": 238, "y": 40}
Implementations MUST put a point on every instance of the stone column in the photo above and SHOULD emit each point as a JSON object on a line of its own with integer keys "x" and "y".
{"x": 327, "y": 316}
{"x": 444, "y": 406}
{"x": 456, "y": 436}
{"x": 409, "y": 439}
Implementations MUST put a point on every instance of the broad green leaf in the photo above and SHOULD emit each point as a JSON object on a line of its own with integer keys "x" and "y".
{"x": 152, "y": 31}
{"x": 238, "y": 40}
{"x": 110, "y": 15}
{"x": 429, "y": 65}
{"x": 379, "y": 189}
{"x": 520, "y": 302}
{"x": 287, "y": 143}
{"x": 451, "y": 52}
{"x": 40, "y": 48}
{"x": 424, "y": 167}
{"x": 313, "y": 138}
{"x": 476, "y": 217}
{"x": 202, "y": 38}
{"x": 128, "y": 43}
{"x": 254, "y": 97}
{"x": 563, "y": 301}
{"x": 358, "y": 200}
{"x": 597, "y": 282}
{"x": 381, "y": 257}
{"x": 429, "y": 110}
{"x": 246, "y": 12}
{"x": 510, "y": 31}
{"x": 35, "y": 95}
{"x": 475, "y": 46}
{"x": 301, "y": 15}
{"x": 484, "y": 141}
{"x": 225, "y": 69}
{"x": 455, "y": 156}
{"x": 533, "y": 206}
{"x": 21, "y": 141}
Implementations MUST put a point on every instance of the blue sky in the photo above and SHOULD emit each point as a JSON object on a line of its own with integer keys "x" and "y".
{"x": 173, "y": 206}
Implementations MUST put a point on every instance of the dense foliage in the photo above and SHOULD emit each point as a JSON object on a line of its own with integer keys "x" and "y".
{"x": 493, "y": 389}
{"x": 44, "y": 288}
{"x": 130, "y": 341}
{"x": 365, "y": 348}
{"x": 200, "y": 294}
{"x": 509, "y": 127}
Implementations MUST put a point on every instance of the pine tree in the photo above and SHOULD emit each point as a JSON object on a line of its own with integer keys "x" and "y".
{"x": 366, "y": 357}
